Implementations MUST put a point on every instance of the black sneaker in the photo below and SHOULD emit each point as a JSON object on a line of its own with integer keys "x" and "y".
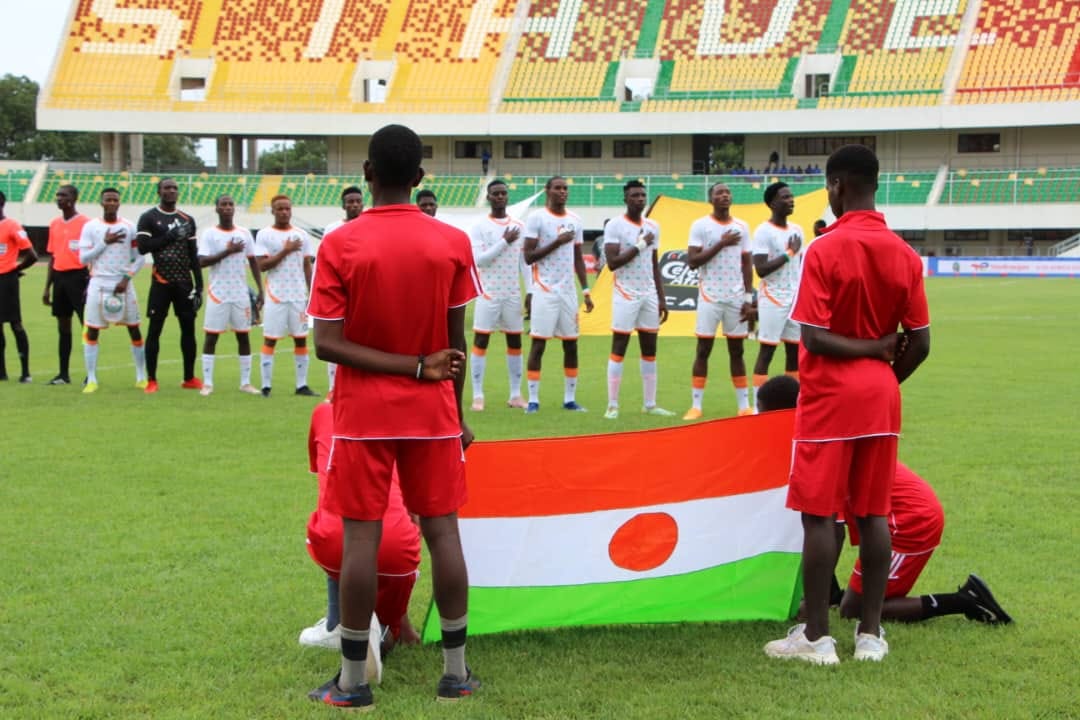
{"x": 330, "y": 694}
{"x": 306, "y": 391}
{"x": 452, "y": 688}
{"x": 60, "y": 380}
{"x": 986, "y": 608}
{"x": 266, "y": 392}
{"x": 26, "y": 379}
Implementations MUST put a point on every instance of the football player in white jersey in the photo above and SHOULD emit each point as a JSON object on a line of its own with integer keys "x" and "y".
{"x": 631, "y": 243}
{"x": 496, "y": 244}
{"x": 719, "y": 249}
{"x": 106, "y": 246}
{"x": 352, "y": 202}
{"x": 777, "y": 255}
{"x": 553, "y": 239}
{"x": 228, "y": 250}
{"x": 285, "y": 254}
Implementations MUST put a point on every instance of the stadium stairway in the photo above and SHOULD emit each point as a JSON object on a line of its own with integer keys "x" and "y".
{"x": 269, "y": 186}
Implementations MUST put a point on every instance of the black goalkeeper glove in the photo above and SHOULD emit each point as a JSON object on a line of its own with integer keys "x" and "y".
{"x": 195, "y": 296}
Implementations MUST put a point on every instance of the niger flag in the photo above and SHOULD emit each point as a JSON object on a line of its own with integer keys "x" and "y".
{"x": 678, "y": 524}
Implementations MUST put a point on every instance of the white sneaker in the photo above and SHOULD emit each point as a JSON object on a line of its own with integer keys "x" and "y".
{"x": 819, "y": 652}
{"x": 206, "y": 390}
{"x": 870, "y": 647}
{"x": 318, "y": 636}
{"x": 658, "y": 411}
{"x": 250, "y": 389}
{"x": 374, "y": 652}
{"x": 612, "y": 412}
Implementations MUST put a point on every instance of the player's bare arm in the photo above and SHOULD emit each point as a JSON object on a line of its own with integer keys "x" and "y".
{"x": 46, "y": 297}
{"x": 913, "y": 349}
{"x": 825, "y": 342}
{"x": 232, "y": 247}
{"x": 269, "y": 262}
{"x": 455, "y": 331}
{"x": 582, "y": 276}
{"x": 764, "y": 266}
{"x": 661, "y": 297}
{"x": 27, "y": 258}
{"x": 332, "y": 346}
{"x": 253, "y": 263}
{"x": 616, "y": 259}
{"x": 748, "y": 311}
{"x": 307, "y": 272}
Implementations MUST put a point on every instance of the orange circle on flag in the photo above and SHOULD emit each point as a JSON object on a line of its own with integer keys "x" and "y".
{"x": 644, "y": 542}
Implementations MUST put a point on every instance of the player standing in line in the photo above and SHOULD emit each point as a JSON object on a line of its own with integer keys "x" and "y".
{"x": 107, "y": 247}
{"x": 777, "y": 255}
{"x": 631, "y": 244}
{"x": 66, "y": 273}
{"x": 915, "y": 527}
{"x": 398, "y": 560}
{"x": 285, "y": 255}
{"x": 16, "y": 256}
{"x": 170, "y": 235}
{"x": 226, "y": 250}
{"x": 860, "y": 283}
{"x": 352, "y": 201}
{"x": 496, "y": 245}
{"x": 719, "y": 248}
{"x": 553, "y": 239}
{"x": 393, "y": 403}
{"x": 427, "y": 202}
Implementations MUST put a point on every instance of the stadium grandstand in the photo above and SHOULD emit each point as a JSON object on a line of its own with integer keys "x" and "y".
{"x": 972, "y": 105}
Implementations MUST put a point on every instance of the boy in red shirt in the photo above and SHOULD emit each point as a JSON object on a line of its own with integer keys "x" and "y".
{"x": 388, "y": 301}
{"x": 916, "y": 522}
{"x": 860, "y": 283}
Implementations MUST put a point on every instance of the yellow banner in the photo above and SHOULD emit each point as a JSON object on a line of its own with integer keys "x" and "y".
{"x": 680, "y": 282}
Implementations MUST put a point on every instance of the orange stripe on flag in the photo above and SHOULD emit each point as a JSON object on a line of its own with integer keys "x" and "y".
{"x": 557, "y": 476}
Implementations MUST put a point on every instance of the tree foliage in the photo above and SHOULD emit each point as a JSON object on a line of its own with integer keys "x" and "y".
{"x": 307, "y": 155}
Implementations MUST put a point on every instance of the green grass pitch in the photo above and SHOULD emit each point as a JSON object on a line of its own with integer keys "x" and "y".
{"x": 152, "y": 559}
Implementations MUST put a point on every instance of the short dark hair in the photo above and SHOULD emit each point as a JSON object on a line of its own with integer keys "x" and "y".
{"x": 159, "y": 182}
{"x": 421, "y": 194}
{"x": 74, "y": 190}
{"x": 109, "y": 190}
{"x": 631, "y": 184}
{"x": 222, "y": 196}
{"x": 495, "y": 182}
{"x": 820, "y": 223}
{"x": 553, "y": 178}
{"x": 857, "y": 162}
{"x": 395, "y": 153}
{"x": 280, "y": 197}
{"x": 772, "y": 191}
{"x": 712, "y": 187}
{"x": 778, "y": 393}
{"x": 351, "y": 190}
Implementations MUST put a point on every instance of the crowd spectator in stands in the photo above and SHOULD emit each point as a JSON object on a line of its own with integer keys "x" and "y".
{"x": 774, "y": 161}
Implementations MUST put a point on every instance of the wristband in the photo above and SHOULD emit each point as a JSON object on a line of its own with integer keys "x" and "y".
{"x": 748, "y": 298}
{"x": 641, "y": 245}
{"x": 419, "y": 366}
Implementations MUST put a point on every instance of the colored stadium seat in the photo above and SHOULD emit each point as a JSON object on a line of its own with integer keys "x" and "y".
{"x": 140, "y": 189}
{"x": 1039, "y": 185}
{"x": 14, "y": 183}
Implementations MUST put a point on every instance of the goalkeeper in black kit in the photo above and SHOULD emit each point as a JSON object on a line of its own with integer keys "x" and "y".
{"x": 169, "y": 235}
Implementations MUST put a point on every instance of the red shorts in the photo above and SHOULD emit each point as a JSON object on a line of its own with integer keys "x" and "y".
{"x": 854, "y": 476}
{"x": 904, "y": 570}
{"x": 432, "y": 475}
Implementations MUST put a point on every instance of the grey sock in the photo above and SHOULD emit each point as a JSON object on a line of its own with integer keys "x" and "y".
{"x": 353, "y": 658}
{"x": 453, "y": 643}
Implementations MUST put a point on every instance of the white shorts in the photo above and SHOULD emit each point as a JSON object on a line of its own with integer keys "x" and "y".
{"x": 775, "y": 323}
{"x": 493, "y": 314}
{"x": 284, "y": 318}
{"x": 630, "y": 314}
{"x": 223, "y": 316}
{"x": 711, "y": 315}
{"x": 98, "y": 316}
{"x": 554, "y": 314}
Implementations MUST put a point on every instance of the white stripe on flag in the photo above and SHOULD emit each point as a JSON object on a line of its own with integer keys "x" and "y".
{"x": 573, "y": 549}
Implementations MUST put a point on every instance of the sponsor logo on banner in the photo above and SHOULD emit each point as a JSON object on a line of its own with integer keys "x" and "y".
{"x": 680, "y": 281}
{"x": 1009, "y": 267}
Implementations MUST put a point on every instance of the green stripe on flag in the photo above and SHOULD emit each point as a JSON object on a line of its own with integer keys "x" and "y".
{"x": 765, "y": 587}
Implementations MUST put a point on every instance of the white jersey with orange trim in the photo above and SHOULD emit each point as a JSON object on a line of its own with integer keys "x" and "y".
{"x": 498, "y": 261}
{"x": 285, "y": 282}
{"x": 635, "y": 279}
{"x": 555, "y": 271}
{"x": 114, "y": 260}
{"x": 782, "y": 285}
{"x": 228, "y": 276}
{"x": 721, "y": 279}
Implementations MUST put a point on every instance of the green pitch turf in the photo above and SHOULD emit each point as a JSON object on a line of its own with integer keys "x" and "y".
{"x": 152, "y": 559}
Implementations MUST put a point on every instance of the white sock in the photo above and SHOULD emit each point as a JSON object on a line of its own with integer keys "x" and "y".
{"x": 331, "y": 375}
{"x": 208, "y": 370}
{"x": 513, "y": 367}
{"x": 696, "y": 396}
{"x": 742, "y": 396}
{"x": 138, "y": 354}
{"x": 648, "y": 382}
{"x": 245, "y": 369}
{"x": 479, "y": 362}
{"x": 90, "y": 356}
{"x": 534, "y": 389}
{"x": 266, "y": 369}
{"x": 302, "y": 362}
{"x": 614, "y": 380}
{"x": 569, "y": 388}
